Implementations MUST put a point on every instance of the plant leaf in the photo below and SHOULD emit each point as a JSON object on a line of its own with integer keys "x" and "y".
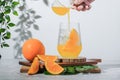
{"x": 29, "y": 34}
{"x": 8, "y": 18}
{"x": 3, "y": 3}
{"x": 70, "y": 70}
{"x": 18, "y": 30}
{"x": 36, "y": 27}
{"x": 5, "y": 45}
{"x": 37, "y": 17}
{"x": 2, "y": 30}
{"x": 8, "y": 35}
{"x": 1, "y": 15}
{"x": 14, "y": 4}
{"x": 11, "y": 24}
{"x": 46, "y": 2}
{"x": 15, "y": 13}
{"x": 7, "y": 9}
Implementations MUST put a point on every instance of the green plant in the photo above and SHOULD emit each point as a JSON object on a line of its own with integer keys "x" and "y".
{"x": 27, "y": 19}
{"x": 7, "y": 7}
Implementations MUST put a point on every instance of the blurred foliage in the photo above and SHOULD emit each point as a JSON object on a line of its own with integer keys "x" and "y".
{"x": 27, "y": 20}
{"x": 7, "y": 7}
{"x": 46, "y": 2}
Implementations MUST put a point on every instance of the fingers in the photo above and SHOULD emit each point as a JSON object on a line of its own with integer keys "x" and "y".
{"x": 79, "y": 8}
{"x": 78, "y": 1}
{"x": 90, "y": 1}
{"x": 82, "y": 5}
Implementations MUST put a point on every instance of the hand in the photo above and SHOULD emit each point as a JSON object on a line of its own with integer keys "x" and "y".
{"x": 82, "y": 5}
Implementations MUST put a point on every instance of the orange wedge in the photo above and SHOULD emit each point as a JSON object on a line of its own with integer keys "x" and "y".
{"x": 74, "y": 37}
{"x": 73, "y": 40}
{"x": 34, "y": 68}
{"x": 53, "y": 67}
{"x": 47, "y": 57}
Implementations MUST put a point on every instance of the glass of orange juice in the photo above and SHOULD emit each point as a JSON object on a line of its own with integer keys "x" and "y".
{"x": 69, "y": 40}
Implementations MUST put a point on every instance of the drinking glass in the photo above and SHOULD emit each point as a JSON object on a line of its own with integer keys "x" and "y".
{"x": 69, "y": 40}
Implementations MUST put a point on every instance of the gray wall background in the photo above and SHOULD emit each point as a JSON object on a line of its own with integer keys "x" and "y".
{"x": 100, "y": 30}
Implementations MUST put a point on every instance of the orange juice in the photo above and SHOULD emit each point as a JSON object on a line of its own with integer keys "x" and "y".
{"x": 70, "y": 47}
{"x": 72, "y": 52}
{"x": 61, "y": 10}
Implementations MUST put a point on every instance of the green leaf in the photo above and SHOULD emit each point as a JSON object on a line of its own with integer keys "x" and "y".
{"x": 2, "y": 30}
{"x": 8, "y": 35}
{"x": 79, "y": 69}
{"x": 0, "y": 3}
{"x": 14, "y": 4}
{"x": 5, "y": 45}
{"x": 0, "y": 20}
{"x": 1, "y": 46}
{"x": 1, "y": 17}
{"x": 8, "y": 18}
{"x": 70, "y": 70}
{"x": 7, "y": 9}
{"x": 11, "y": 24}
{"x": 15, "y": 13}
{"x": 11, "y": 0}
{"x": 47, "y": 73}
{"x": 3, "y": 3}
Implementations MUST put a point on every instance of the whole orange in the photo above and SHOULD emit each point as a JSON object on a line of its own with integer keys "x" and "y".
{"x": 31, "y": 48}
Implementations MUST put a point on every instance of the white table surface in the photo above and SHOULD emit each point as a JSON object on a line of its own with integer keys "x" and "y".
{"x": 10, "y": 70}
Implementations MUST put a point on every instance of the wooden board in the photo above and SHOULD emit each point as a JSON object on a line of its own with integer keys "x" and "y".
{"x": 65, "y": 62}
{"x": 69, "y": 62}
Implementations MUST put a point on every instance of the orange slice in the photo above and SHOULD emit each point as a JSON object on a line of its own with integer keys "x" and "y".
{"x": 34, "y": 68}
{"x": 53, "y": 67}
{"x": 47, "y": 57}
{"x": 73, "y": 40}
{"x": 74, "y": 37}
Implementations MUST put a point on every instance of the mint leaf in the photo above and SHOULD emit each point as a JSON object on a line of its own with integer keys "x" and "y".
{"x": 70, "y": 70}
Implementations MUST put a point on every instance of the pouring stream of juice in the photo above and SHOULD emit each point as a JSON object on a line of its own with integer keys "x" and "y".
{"x": 62, "y": 10}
